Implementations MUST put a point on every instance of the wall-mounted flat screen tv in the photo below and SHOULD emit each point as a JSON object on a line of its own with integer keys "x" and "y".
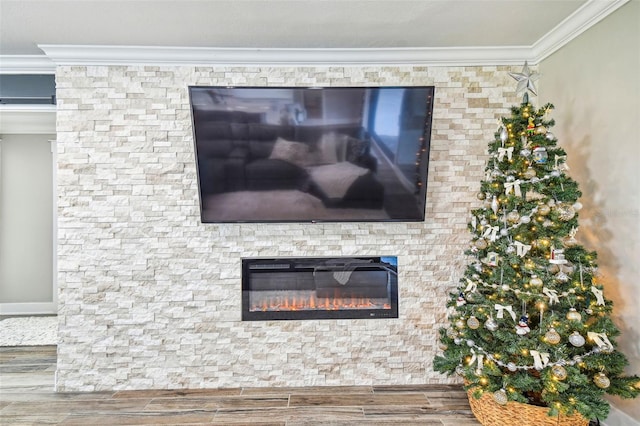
{"x": 321, "y": 154}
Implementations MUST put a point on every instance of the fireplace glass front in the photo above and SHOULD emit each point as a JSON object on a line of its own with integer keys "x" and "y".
{"x": 319, "y": 288}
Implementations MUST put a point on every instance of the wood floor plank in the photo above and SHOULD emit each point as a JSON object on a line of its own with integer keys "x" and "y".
{"x": 27, "y": 397}
{"x": 174, "y": 404}
{"x": 177, "y": 393}
{"x": 319, "y": 390}
{"x": 31, "y": 419}
{"x": 320, "y": 415}
{"x": 94, "y": 406}
{"x": 342, "y": 400}
{"x": 140, "y": 418}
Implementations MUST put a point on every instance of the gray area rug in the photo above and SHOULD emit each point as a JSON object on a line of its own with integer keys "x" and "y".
{"x": 29, "y": 331}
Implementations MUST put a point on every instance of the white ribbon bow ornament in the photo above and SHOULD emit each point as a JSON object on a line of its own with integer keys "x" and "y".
{"x": 601, "y": 340}
{"x": 598, "y": 293}
{"x": 540, "y": 359}
{"x": 503, "y": 151}
{"x": 491, "y": 232}
{"x": 521, "y": 248}
{"x": 514, "y": 187}
{"x": 501, "y": 309}
{"x": 551, "y": 294}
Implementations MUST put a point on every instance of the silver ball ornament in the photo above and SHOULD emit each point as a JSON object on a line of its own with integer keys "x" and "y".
{"x": 576, "y": 339}
{"x": 573, "y": 315}
{"x": 512, "y": 367}
{"x": 500, "y": 397}
{"x": 491, "y": 324}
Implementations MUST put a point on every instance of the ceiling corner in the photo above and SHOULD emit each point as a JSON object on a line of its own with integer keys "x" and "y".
{"x": 578, "y": 22}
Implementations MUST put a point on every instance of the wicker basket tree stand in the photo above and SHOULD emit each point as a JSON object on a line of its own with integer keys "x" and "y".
{"x": 490, "y": 413}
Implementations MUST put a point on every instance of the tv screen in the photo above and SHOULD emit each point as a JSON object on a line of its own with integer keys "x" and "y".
{"x": 321, "y": 154}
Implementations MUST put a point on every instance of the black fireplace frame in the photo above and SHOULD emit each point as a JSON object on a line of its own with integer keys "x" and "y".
{"x": 297, "y": 264}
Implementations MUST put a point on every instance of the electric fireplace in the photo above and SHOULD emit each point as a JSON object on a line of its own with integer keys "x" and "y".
{"x": 319, "y": 288}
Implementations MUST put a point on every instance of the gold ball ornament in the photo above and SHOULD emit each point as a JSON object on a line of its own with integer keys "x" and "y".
{"x": 569, "y": 241}
{"x": 535, "y": 281}
{"x": 544, "y": 209}
{"x": 565, "y": 212}
{"x": 601, "y": 380}
{"x": 552, "y": 336}
{"x": 481, "y": 195}
{"x": 500, "y": 396}
{"x": 473, "y": 322}
{"x": 637, "y": 385}
{"x": 481, "y": 243}
{"x": 559, "y": 372}
{"x": 541, "y": 130}
{"x": 573, "y": 315}
{"x": 529, "y": 173}
{"x": 460, "y": 324}
{"x": 513, "y": 216}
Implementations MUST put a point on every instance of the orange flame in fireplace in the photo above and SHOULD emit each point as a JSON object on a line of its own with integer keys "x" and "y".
{"x": 312, "y": 302}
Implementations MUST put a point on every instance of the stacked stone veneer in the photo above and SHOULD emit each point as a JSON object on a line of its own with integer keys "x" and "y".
{"x": 150, "y": 297}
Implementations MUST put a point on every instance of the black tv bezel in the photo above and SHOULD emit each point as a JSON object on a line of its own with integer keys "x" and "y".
{"x": 425, "y": 149}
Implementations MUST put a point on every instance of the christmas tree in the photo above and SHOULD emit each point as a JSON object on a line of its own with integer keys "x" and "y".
{"x": 528, "y": 321}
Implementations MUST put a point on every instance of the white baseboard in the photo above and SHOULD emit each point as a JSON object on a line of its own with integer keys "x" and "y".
{"x": 619, "y": 418}
{"x": 44, "y": 308}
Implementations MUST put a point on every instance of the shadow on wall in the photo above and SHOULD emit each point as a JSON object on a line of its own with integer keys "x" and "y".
{"x": 595, "y": 234}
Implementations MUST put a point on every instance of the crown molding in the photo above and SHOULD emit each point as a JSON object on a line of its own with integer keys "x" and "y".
{"x": 27, "y": 119}
{"x": 153, "y": 55}
{"x": 589, "y": 14}
{"x": 26, "y": 64}
{"x": 592, "y": 12}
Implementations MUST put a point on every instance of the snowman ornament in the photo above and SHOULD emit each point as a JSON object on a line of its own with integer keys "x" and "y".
{"x": 523, "y": 326}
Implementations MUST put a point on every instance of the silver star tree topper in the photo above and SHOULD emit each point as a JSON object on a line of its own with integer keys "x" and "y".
{"x": 526, "y": 80}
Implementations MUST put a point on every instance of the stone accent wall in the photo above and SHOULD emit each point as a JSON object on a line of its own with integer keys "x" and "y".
{"x": 150, "y": 297}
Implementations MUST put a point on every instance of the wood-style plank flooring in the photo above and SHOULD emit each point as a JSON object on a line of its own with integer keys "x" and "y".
{"x": 27, "y": 398}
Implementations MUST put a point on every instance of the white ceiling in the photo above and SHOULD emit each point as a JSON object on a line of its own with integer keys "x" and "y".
{"x": 437, "y": 25}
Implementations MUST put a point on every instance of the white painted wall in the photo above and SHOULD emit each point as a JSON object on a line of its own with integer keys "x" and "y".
{"x": 594, "y": 83}
{"x": 26, "y": 224}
